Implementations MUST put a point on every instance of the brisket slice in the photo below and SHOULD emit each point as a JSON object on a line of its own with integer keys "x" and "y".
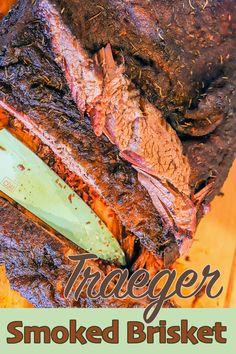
{"x": 183, "y": 60}
{"x": 35, "y": 92}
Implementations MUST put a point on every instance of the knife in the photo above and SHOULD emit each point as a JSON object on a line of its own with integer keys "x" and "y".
{"x": 25, "y": 178}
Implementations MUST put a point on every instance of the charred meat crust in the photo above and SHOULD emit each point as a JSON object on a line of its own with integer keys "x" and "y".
{"x": 32, "y": 83}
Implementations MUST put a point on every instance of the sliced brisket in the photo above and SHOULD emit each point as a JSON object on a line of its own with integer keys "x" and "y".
{"x": 39, "y": 88}
{"x": 34, "y": 90}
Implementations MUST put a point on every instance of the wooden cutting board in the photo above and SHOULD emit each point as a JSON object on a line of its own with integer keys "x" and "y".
{"x": 215, "y": 244}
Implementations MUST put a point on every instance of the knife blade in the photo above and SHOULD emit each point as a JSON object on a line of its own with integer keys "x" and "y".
{"x": 25, "y": 178}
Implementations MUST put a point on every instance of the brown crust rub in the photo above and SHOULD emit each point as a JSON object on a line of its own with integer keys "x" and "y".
{"x": 50, "y": 114}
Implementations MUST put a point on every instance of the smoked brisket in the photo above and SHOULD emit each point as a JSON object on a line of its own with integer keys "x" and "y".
{"x": 177, "y": 59}
{"x": 35, "y": 90}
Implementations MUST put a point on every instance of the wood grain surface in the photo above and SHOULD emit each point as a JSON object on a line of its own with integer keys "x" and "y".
{"x": 215, "y": 244}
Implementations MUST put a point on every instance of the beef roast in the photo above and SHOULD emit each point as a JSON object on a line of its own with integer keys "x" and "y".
{"x": 34, "y": 90}
{"x": 39, "y": 88}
